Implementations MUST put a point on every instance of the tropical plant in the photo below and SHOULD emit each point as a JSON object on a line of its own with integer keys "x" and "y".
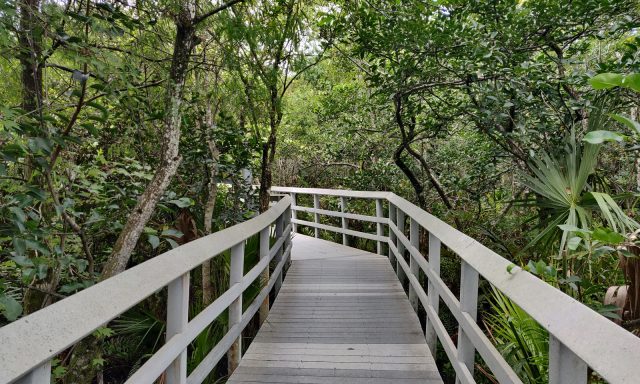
{"x": 565, "y": 196}
{"x": 522, "y": 341}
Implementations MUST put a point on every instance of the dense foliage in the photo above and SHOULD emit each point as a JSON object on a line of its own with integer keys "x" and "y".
{"x": 130, "y": 128}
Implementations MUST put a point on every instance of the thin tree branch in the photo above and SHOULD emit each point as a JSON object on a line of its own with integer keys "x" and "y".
{"x": 212, "y": 12}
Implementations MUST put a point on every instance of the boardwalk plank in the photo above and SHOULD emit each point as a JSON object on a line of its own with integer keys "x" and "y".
{"x": 340, "y": 317}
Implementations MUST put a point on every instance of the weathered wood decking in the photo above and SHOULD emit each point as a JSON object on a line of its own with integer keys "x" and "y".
{"x": 340, "y": 317}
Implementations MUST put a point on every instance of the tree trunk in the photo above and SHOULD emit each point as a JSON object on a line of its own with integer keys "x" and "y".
{"x": 407, "y": 131}
{"x": 170, "y": 156}
{"x": 30, "y": 41}
{"x": 265, "y": 179}
{"x": 214, "y": 153}
{"x": 81, "y": 367}
{"x": 269, "y": 148}
{"x": 415, "y": 183}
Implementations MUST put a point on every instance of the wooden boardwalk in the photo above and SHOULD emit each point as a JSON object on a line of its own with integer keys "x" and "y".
{"x": 340, "y": 317}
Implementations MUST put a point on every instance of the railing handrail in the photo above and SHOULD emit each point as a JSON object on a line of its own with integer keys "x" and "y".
{"x": 598, "y": 342}
{"x": 33, "y": 340}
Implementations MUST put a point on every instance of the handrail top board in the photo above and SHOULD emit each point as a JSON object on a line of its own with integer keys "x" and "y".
{"x": 36, "y": 338}
{"x": 333, "y": 192}
{"x": 603, "y": 345}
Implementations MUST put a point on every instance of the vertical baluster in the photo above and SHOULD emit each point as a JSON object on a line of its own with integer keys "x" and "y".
{"x": 287, "y": 235}
{"x": 392, "y": 236}
{"x": 414, "y": 237}
{"x": 278, "y": 256}
{"x": 264, "y": 277}
{"x": 316, "y": 216}
{"x": 177, "y": 319}
{"x": 39, "y": 375}
{"x": 379, "y": 228}
{"x": 434, "y": 298}
{"x": 469, "y": 304}
{"x": 564, "y": 366}
{"x": 401, "y": 227}
{"x": 294, "y": 213}
{"x": 343, "y": 209}
{"x": 236, "y": 273}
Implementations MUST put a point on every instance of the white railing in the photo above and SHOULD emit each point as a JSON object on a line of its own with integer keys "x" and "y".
{"x": 578, "y": 337}
{"x": 28, "y": 345}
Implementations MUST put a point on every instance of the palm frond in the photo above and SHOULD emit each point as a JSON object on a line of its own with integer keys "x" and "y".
{"x": 519, "y": 338}
{"x": 561, "y": 184}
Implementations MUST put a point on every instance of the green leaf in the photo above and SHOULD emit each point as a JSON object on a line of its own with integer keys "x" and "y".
{"x": 40, "y": 144}
{"x": 13, "y": 151}
{"x": 154, "y": 241}
{"x": 37, "y": 246}
{"x": 574, "y": 243}
{"x": 18, "y": 213}
{"x": 59, "y": 372}
{"x": 606, "y": 80}
{"x": 632, "y": 81}
{"x": 98, "y": 362}
{"x": 19, "y": 245}
{"x": 573, "y": 228}
{"x": 610, "y": 311}
{"x": 628, "y": 121}
{"x": 182, "y": 202}
{"x": 10, "y": 307}
{"x": 172, "y": 242}
{"x": 599, "y": 137}
{"x": 150, "y": 231}
{"x": 607, "y": 236}
{"x": 41, "y": 270}
{"x": 22, "y": 261}
{"x": 103, "y": 332}
{"x": 172, "y": 232}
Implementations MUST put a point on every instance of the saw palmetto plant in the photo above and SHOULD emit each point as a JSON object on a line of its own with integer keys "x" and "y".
{"x": 521, "y": 340}
{"x": 563, "y": 192}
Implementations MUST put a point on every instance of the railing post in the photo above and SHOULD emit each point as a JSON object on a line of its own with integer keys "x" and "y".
{"x": 236, "y": 273}
{"x": 392, "y": 235}
{"x": 400, "y": 245}
{"x": 264, "y": 277}
{"x": 564, "y": 366}
{"x": 294, "y": 213}
{"x": 469, "y": 304}
{"x": 177, "y": 320}
{"x": 278, "y": 256}
{"x": 343, "y": 209}
{"x": 316, "y": 216}
{"x": 434, "y": 298}
{"x": 379, "y": 229}
{"x": 39, "y": 375}
{"x": 414, "y": 237}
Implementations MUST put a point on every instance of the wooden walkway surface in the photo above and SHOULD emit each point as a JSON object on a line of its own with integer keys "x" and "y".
{"x": 340, "y": 317}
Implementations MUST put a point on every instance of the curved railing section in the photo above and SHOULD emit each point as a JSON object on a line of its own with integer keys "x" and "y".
{"x": 28, "y": 345}
{"x": 579, "y": 338}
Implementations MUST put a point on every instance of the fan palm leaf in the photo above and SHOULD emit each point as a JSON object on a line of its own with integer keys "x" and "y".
{"x": 520, "y": 339}
{"x": 561, "y": 184}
